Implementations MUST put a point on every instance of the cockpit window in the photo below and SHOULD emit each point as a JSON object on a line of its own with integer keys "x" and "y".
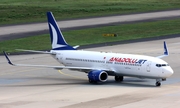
{"x": 160, "y": 65}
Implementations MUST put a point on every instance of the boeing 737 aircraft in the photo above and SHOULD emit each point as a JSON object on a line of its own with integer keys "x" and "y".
{"x": 100, "y": 65}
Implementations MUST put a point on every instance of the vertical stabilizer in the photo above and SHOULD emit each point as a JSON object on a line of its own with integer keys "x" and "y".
{"x": 57, "y": 40}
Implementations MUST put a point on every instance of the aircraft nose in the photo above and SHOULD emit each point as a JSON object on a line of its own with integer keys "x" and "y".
{"x": 169, "y": 71}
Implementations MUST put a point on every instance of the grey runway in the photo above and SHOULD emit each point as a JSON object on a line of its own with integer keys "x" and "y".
{"x": 41, "y": 87}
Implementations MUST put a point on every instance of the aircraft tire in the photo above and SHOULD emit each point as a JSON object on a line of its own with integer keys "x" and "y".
{"x": 118, "y": 78}
{"x": 158, "y": 83}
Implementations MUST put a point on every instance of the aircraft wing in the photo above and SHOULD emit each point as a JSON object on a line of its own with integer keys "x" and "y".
{"x": 166, "y": 53}
{"x": 42, "y": 52}
{"x": 55, "y": 67}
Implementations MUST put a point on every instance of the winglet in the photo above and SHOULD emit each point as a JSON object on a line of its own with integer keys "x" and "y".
{"x": 165, "y": 49}
{"x": 166, "y": 53}
{"x": 9, "y": 61}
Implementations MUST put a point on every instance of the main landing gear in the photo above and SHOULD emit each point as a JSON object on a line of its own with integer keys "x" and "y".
{"x": 118, "y": 78}
{"x": 92, "y": 82}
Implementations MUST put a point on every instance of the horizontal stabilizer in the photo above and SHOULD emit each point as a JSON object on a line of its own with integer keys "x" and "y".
{"x": 75, "y": 47}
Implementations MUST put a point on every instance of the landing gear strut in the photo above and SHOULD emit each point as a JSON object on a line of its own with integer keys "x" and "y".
{"x": 119, "y": 78}
{"x": 92, "y": 82}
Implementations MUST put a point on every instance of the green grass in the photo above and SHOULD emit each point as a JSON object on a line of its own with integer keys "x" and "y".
{"x": 23, "y": 11}
{"x": 94, "y": 35}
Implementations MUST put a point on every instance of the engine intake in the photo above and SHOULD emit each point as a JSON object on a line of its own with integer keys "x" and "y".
{"x": 97, "y": 76}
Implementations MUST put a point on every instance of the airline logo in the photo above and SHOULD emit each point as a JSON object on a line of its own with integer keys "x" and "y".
{"x": 127, "y": 60}
{"x": 55, "y": 38}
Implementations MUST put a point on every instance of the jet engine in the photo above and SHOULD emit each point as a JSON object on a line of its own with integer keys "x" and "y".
{"x": 97, "y": 76}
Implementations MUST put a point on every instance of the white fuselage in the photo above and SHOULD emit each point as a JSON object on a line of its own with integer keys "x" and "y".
{"x": 120, "y": 64}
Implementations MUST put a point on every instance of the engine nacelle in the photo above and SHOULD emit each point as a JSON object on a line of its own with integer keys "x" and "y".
{"x": 97, "y": 76}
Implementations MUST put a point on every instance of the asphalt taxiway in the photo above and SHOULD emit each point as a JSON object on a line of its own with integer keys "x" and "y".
{"x": 25, "y": 87}
{"x": 24, "y": 30}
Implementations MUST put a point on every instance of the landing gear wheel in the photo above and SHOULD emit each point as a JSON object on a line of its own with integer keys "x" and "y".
{"x": 158, "y": 84}
{"x": 118, "y": 78}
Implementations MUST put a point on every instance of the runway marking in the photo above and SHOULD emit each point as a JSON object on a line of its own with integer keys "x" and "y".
{"x": 71, "y": 75}
{"x": 19, "y": 71}
{"x": 176, "y": 43}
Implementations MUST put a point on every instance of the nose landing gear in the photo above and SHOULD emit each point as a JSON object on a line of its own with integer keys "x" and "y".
{"x": 158, "y": 82}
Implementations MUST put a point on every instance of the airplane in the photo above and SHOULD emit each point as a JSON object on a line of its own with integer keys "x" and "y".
{"x": 100, "y": 65}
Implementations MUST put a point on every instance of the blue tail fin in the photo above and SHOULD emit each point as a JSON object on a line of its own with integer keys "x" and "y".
{"x": 57, "y": 40}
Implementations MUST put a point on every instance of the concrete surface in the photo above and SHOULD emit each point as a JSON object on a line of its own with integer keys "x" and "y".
{"x": 25, "y": 87}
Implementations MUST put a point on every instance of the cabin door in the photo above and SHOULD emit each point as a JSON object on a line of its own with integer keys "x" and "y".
{"x": 105, "y": 65}
{"x": 148, "y": 67}
{"x": 59, "y": 57}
